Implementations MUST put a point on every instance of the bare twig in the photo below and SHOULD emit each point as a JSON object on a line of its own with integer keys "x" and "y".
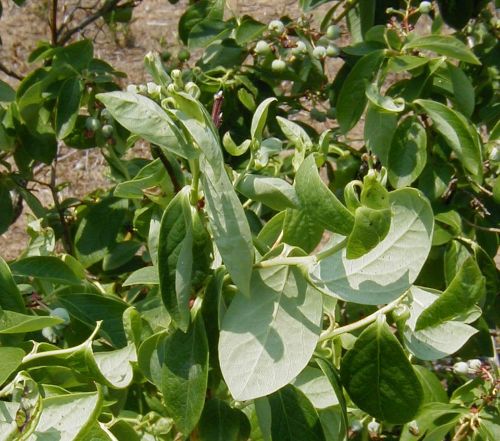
{"x": 53, "y": 23}
{"x": 67, "y": 243}
{"x": 168, "y": 167}
{"x": 10, "y": 72}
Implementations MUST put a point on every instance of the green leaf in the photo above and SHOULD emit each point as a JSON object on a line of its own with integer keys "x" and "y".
{"x": 435, "y": 342}
{"x": 220, "y": 422}
{"x": 151, "y": 175}
{"x": 143, "y": 276}
{"x": 405, "y": 63}
{"x": 316, "y": 387}
{"x": 46, "y": 268}
{"x": 179, "y": 367}
{"x": 299, "y": 139}
{"x": 319, "y": 202}
{"x": 6, "y": 207}
{"x": 378, "y": 376}
{"x": 11, "y": 359}
{"x": 91, "y": 308}
{"x": 268, "y": 338}
{"x": 116, "y": 366}
{"x": 175, "y": 258}
{"x": 444, "y": 45}
{"x": 10, "y": 296}
{"x": 273, "y": 192}
{"x": 379, "y": 131}
{"x": 370, "y": 228}
{"x": 259, "y": 119}
{"x": 352, "y": 99}
{"x": 7, "y": 93}
{"x": 94, "y": 237}
{"x": 293, "y": 418}
{"x": 249, "y": 30}
{"x": 466, "y": 288}
{"x": 385, "y": 103}
{"x": 15, "y": 323}
{"x": 145, "y": 118}
{"x": 59, "y": 420}
{"x": 387, "y": 271}
{"x": 408, "y": 153}
{"x": 301, "y": 230}
{"x": 67, "y": 106}
{"x": 434, "y": 391}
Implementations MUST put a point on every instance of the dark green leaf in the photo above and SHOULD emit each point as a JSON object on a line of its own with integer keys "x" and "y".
{"x": 67, "y": 107}
{"x": 352, "y": 99}
{"x": 301, "y": 230}
{"x": 443, "y": 45}
{"x": 11, "y": 359}
{"x": 293, "y": 418}
{"x": 379, "y": 131}
{"x": 408, "y": 153}
{"x": 10, "y": 296}
{"x": 46, "y": 268}
{"x": 220, "y": 422}
{"x": 378, "y": 376}
{"x": 15, "y": 323}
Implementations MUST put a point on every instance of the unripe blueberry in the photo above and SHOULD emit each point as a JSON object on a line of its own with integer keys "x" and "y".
{"x": 276, "y": 27}
{"x": 61, "y": 313}
{"x": 474, "y": 364}
{"x": 143, "y": 89}
{"x": 373, "y": 427}
{"x": 495, "y": 154}
{"x": 332, "y": 50}
{"x": 92, "y": 124}
{"x": 106, "y": 115}
{"x": 300, "y": 48}
{"x": 317, "y": 115}
{"x": 319, "y": 52}
{"x": 425, "y": 7}
{"x": 461, "y": 368}
{"x": 262, "y": 47}
{"x": 278, "y": 66}
{"x": 184, "y": 55}
{"x": 49, "y": 334}
{"x": 165, "y": 56}
{"x": 356, "y": 426}
{"x": 107, "y": 130}
{"x": 331, "y": 113}
{"x": 333, "y": 32}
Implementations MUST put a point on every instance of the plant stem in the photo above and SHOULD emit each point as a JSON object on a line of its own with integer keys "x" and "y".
{"x": 277, "y": 261}
{"x": 168, "y": 167}
{"x": 350, "y": 5}
{"x": 195, "y": 184}
{"x": 338, "y": 246}
{"x": 53, "y": 23}
{"x": 328, "y": 334}
{"x": 66, "y": 236}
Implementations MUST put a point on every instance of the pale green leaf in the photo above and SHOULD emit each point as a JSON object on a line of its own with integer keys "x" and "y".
{"x": 259, "y": 119}
{"x": 273, "y": 192}
{"x": 11, "y": 359}
{"x": 15, "y": 323}
{"x": 316, "y": 387}
{"x": 268, "y": 338}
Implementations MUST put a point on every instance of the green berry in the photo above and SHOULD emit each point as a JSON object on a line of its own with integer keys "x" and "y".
{"x": 92, "y": 124}
{"x": 184, "y": 55}
{"x": 317, "y": 115}
{"x": 494, "y": 154}
{"x": 319, "y": 52}
{"x": 61, "y": 313}
{"x": 474, "y": 364}
{"x": 278, "y": 66}
{"x": 276, "y": 27}
{"x": 106, "y": 115}
{"x": 373, "y": 427}
{"x": 262, "y": 47}
{"x": 461, "y": 368}
{"x": 107, "y": 130}
{"x": 332, "y": 50}
{"x": 425, "y": 7}
{"x": 165, "y": 56}
{"x": 300, "y": 48}
{"x": 333, "y": 32}
{"x": 331, "y": 113}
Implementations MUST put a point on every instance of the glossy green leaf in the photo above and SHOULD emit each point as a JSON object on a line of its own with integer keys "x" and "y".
{"x": 7, "y": 93}
{"x": 378, "y": 376}
{"x": 434, "y": 391}
{"x": 47, "y": 268}
{"x": 15, "y": 323}
{"x": 268, "y": 338}
{"x": 293, "y": 418}
{"x": 273, "y": 192}
{"x": 143, "y": 276}
{"x": 379, "y": 131}
{"x": 387, "y": 271}
{"x": 443, "y": 45}
{"x": 67, "y": 107}
{"x": 93, "y": 236}
{"x": 67, "y": 417}
{"x": 175, "y": 258}
{"x": 384, "y": 103}
{"x": 319, "y": 202}
{"x": 408, "y": 153}
{"x": 91, "y": 308}
{"x": 10, "y": 296}
{"x": 181, "y": 373}
{"x": 11, "y": 360}
{"x": 352, "y": 99}
{"x": 220, "y": 422}
{"x": 370, "y": 228}
{"x": 405, "y": 63}
{"x": 259, "y": 119}
{"x": 433, "y": 342}
{"x": 145, "y": 118}
{"x": 249, "y": 30}
{"x": 466, "y": 288}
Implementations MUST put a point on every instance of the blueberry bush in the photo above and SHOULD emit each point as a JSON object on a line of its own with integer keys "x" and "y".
{"x": 307, "y": 254}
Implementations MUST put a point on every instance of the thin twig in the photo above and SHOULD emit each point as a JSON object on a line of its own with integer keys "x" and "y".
{"x": 60, "y": 210}
{"x": 53, "y": 23}
{"x": 10, "y": 72}
{"x": 479, "y": 227}
{"x": 168, "y": 167}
